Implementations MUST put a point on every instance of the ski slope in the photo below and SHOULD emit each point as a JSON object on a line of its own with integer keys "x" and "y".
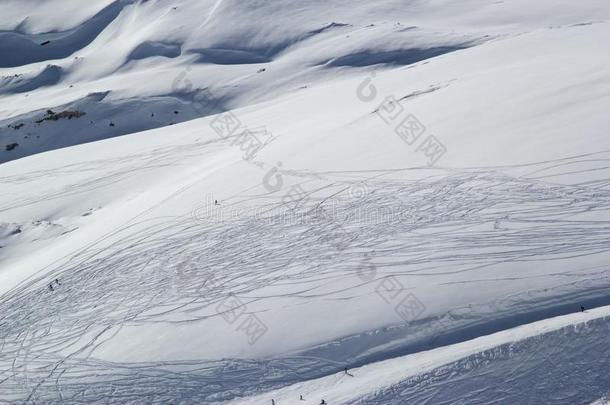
{"x": 430, "y": 175}
{"x": 561, "y": 360}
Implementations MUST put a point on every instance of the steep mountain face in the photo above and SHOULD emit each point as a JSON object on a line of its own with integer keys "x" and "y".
{"x": 216, "y": 199}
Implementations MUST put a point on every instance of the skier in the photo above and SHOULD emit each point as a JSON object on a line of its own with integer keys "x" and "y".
{"x": 323, "y": 402}
{"x": 51, "y": 287}
{"x": 301, "y": 398}
{"x": 273, "y": 402}
{"x": 216, "y": 202}
{"x": 582, "y": 309}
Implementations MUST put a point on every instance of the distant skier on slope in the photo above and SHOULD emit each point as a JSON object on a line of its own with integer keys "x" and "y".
{"x": 56, "y": 281}
{"x": 582, "y": 309}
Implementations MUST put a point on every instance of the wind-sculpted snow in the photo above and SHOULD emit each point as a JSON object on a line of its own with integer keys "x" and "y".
{"x": 178, "y": 270}
{"x": 21, "y": 49}
{"x": 393, "y": 57}
{"x": 50, "y": 75}
{"x": 152, "y": 49}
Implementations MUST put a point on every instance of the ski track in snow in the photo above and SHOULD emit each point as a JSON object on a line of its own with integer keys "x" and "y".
{"x": 560, "y": 360}
{"x": 564, "y": 367}
{"x": 178, "y": 272}
{"x": 458, "y": 230}
{"x": 112, "y": 171}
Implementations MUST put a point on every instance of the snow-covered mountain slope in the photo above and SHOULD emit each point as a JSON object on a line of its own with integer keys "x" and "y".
{"x": 223, "y": 54}
{"x": 561, "y": 360}
{"x": 292, "y": 188}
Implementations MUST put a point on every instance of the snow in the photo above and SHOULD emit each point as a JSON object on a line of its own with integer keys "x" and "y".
{"x": 341, "y": 242}
{"x": 478, "y": 371}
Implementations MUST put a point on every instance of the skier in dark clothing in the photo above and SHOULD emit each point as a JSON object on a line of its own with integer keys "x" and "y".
{"x": 582, "y": 309}
{"x": 323, "y": 402}
{"x": 56, "y": 281}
